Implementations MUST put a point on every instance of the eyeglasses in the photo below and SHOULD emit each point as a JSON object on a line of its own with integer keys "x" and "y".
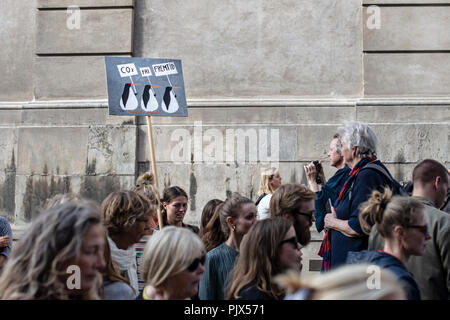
{"x": 292, "y": 240}
{"x": 423, "y": 229}
{"x": 194, "y": 265}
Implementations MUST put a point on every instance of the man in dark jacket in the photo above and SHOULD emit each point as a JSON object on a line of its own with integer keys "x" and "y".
{"x": 431, "y": 270}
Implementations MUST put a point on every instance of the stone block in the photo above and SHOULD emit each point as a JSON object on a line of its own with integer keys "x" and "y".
{"x": 10, "y": 117}
{"x": 411, "y": 74}
{"x": 111, "y": 150}
{"x": 67, "y": 78}
{"x": 52, "y": 150}
{"x": 404, "y": 113}
{"x": 313, "y": 141}
{"x": 381, "y": 2}
{"x": 70, "y": 115}
{"x": 289, "y": 49}
{"x": 84, "y": 3}
{"x": 229, "y": 143}
{"x": 410, "y": 143}
{"x": 16, "y": 58}
{"x": 409, "y": 28}
{"x": 100, "y": 31}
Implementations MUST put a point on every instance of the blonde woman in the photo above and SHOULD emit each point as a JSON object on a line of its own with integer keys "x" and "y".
{"x": 350, "y": 282}
{"x": 270, "y": 181}
{"x": 127, "y": 216}
{"x": 402, "y": 223}
{"x": 172, "y": 264}
{"x": 62, "y": 241}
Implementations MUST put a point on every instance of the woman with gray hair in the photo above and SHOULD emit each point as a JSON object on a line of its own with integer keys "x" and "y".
{"x": 172, "y": 264}
{"x": 359, "y": 148}
{"x": 59, "y": 257}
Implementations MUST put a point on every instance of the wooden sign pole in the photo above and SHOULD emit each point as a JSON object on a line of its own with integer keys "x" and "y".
{"x": 152, "y": 157}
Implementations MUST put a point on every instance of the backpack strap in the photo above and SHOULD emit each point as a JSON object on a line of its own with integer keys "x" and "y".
{"x": 379, "y": 168}
{"x": 260, "y": 198}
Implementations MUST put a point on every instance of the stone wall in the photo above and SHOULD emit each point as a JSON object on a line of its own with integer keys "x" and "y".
{"x": 280, "y": 75}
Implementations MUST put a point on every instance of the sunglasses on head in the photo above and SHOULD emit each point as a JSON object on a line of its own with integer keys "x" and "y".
{"x": 194, "y": 265}
{"x": 292, "y": 240}
{"x": 423, "y": 229}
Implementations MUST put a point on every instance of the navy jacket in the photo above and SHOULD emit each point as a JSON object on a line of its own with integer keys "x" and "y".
{"x": 365, "y": 182}
{"x": 387, "y": 261}
{"x": 330, "y": 190}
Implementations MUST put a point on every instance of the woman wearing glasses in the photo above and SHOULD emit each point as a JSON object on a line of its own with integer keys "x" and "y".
{"x": 172, "y": 264}
{"x": 402, "y": 223}
{"x": 269, "y": 249}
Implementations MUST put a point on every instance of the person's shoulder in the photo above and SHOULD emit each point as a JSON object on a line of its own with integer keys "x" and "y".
{"x": 193, "y": 228}
{"x": 252, "y": 292}
{"x": 118, "y": 290}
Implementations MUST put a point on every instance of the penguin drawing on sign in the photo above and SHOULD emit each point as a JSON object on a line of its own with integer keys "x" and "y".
{"x": 128, "y": 100}
{"x": 169, "y": 103}
{"x": 148, "y": 101}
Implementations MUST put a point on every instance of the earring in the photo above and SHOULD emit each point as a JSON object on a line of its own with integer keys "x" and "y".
{"x": 234, "y": 227}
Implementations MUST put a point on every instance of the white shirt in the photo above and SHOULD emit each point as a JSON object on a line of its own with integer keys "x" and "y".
{"x": 263, "y": 207}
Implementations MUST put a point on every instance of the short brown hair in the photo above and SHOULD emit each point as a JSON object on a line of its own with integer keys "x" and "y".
{"x": 123, "y": 208}
{"x": 288, "y": 198}
{"x": 427, "y": 170}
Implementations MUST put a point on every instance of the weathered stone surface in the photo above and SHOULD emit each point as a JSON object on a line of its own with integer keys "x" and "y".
{"x": 100, "y": 31}
{"x": 70, "y": 78}
{"x": 83, "y": 3}
{"x": 411, "y": 74}
{"x": 52, "y": 150}
{"x": 404, "y": 113}
{"x": 72, "y": 115}
{"x": 17, "y": 53}
{"x": 257, "y": 49}
{"x": 404, "y": 1}
{"x": 413, "y": 142}
{"x": 409, "y": 28}
{"x": 205, "y": 143}
{"x": 111, "y": 150}
{"x": 8, "y": 165}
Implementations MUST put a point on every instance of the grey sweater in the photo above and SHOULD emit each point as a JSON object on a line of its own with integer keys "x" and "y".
{"x": 219, "y": 263}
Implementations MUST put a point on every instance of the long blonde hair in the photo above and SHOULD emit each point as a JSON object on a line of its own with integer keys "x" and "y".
{"x": 349, "y": 282}
{"x": 266, "y": 177}
{"x": 167, "y": 253}
{"x": 54, "y": 238}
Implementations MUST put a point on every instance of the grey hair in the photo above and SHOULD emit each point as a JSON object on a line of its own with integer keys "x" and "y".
{"x": 54, "y": 238}
{"x": 361, "y": 136}
{"x": 338, "y": 142}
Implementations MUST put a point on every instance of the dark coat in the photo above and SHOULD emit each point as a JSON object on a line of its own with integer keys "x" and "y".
{"x": 387, "y": 261}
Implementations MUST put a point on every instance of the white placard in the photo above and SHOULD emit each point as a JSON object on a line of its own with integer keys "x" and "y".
{"x": 127, "y": 70}
{"x": 164, "y": 69}
{"x": 145, "y": 71}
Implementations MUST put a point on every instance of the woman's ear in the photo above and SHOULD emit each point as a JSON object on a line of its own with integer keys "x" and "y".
{"x": 354, "y": 152}
{"x": 230, "y": 223}
{"x": 399, "y": 232}
{"x": 164, "y": 204}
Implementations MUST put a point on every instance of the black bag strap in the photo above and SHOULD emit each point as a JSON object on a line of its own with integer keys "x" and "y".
{"x": 260, "y": 198}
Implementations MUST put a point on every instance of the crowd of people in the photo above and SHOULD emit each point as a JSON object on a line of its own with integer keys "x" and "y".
{"x": 245, "y": 250}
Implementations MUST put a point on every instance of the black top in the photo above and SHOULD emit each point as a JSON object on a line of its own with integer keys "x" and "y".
{"x": 251, "y": 292}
